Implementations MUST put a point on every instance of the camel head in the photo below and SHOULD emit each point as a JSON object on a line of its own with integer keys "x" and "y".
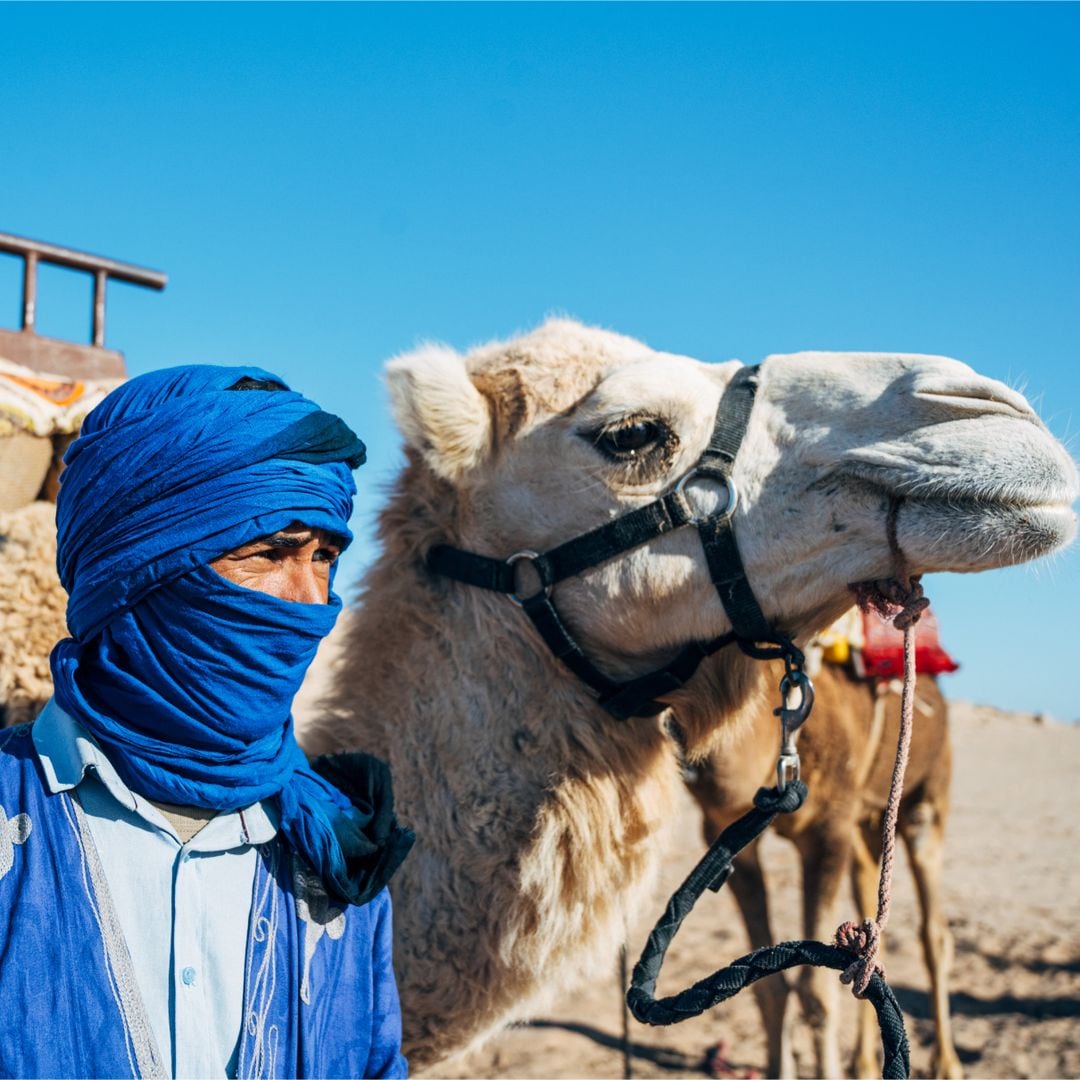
{"x": 526, "y": 444}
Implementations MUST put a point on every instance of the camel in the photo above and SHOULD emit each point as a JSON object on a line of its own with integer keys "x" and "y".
{"x": 539, "y": 816}
{"x": 846, "y": 749}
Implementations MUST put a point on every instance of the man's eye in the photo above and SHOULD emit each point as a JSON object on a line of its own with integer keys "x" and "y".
{"x": 328, "y": 555}
{"x": 629, "y": 439}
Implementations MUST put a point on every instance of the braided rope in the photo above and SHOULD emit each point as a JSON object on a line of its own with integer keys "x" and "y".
{"x": 712, "y": 872}
{"x": 747, "y": 970}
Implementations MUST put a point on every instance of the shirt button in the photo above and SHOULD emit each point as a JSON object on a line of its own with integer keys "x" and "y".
{"x": 188, "y": 976}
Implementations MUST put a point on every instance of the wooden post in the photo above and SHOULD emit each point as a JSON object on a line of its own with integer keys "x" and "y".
{"x": 30, "y": 261}
{"x": 100, "y": 279}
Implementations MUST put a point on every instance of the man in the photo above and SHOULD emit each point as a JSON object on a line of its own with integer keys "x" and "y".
{"x": 183, "y": 894}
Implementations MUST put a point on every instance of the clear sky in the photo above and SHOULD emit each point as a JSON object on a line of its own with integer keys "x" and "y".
{"x": 328, "y": 185}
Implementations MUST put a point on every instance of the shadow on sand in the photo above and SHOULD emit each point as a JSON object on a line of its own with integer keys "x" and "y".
{"x": 916, "y": 1003}
{"x": 670, "y": 1060}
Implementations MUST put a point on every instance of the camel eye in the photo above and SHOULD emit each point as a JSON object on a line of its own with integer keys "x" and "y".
{"x": 629, "y": 439}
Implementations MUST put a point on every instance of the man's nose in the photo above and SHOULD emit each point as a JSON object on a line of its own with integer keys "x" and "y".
{"x": 304, "y": 586}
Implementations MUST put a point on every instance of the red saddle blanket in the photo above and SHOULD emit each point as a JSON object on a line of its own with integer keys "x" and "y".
{"x": 883, "y": 648}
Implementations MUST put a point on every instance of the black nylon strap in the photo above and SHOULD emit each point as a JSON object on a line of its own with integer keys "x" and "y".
{"x": 480, "y": 570}
{"x": 637, "y": 527}
{"x": 628, "y": 531}
{"x": 638, "y": 696}
{"x": 732, "y": 585}
{"x": 571, "y": 558}
{"x": 711, "y": 873}
{"x": 635, "y": 697}
{"x": 732, "y": 420}
{"x": 546, "y": 619}
{"x": 717, "y": 534}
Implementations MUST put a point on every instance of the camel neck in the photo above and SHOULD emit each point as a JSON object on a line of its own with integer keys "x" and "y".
{"x": 526, "y": 797}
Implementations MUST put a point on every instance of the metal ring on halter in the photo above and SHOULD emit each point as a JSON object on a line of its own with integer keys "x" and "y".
{"x": 698, "y": 473}
{"x": 530, "y": 556}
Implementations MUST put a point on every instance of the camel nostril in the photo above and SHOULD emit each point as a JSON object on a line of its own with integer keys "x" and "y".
{"x": 978, "y": 398}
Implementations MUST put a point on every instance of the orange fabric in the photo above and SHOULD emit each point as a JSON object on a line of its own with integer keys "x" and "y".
{"x": 56, "y": 392}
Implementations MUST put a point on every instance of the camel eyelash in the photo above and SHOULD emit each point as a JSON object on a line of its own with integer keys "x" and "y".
{"x": 638, "y": 443}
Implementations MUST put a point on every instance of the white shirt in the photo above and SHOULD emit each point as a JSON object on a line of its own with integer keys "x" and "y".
{"x": 183, "y": 908}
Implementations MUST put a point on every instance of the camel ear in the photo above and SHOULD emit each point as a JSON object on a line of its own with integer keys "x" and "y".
{"x": 439, "y": 410}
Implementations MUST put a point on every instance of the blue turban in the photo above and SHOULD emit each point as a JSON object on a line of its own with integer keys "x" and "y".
{"x": 185, "y": 678}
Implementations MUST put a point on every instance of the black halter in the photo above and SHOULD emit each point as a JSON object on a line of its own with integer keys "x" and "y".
{"x": 750, "y": 628}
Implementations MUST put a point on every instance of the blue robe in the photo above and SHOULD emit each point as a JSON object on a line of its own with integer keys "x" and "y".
{"x": 319, "y": 991}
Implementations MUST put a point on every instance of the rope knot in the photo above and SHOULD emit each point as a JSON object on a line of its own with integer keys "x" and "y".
{"x": 771, "y": 801}
{"x": 892, "y": 599}
{"x": 863, "y": 940}
{"x": 900, "y": 597}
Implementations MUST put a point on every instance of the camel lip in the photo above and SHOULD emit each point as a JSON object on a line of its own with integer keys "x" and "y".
{"x": 983, "y": 505}
{"x": 1003, "y": 503}
{"x": 1060, "y": 497}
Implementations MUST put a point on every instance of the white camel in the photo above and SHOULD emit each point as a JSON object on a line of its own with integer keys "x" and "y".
{"x": 538, "y": 814}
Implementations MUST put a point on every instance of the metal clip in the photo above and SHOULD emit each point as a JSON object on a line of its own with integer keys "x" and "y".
{"x": 787, "y": 770}
{"x": 791, "y": 719}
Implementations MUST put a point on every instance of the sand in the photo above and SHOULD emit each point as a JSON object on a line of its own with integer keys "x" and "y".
{"x": 1012, "y": 889}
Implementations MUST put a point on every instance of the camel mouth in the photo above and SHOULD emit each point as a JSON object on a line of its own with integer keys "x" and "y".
{"x": 965, "y": 522}
{"x": 949, "y": 535}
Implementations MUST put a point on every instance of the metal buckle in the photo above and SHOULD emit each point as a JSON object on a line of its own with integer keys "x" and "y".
{"x": 532, "y": 557}
{"x": 696, "y": 473}
{"x": 791, "y": 719}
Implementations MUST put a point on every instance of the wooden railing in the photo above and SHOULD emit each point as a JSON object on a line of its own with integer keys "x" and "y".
{"x": 26, "y": 346}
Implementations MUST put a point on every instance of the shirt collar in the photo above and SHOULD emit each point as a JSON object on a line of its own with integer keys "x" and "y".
{"x": 68, "y": 752}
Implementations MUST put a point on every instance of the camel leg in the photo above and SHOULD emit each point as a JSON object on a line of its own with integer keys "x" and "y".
{"x": 923, "y": 829}
{"x": 825, "y": 856}
{"x": 747, "y": 884}
{"x": 865, "y": 868}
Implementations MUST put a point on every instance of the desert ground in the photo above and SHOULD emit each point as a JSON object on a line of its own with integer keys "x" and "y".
{"x": 1012, "y": 888}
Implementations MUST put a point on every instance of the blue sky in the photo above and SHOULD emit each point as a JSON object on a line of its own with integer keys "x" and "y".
{"x": 328, "y": 185}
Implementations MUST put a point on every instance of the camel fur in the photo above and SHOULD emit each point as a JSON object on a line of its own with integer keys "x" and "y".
{"x": 847, "y": 750}
{"x": 32, "y": 609}
{"x": 538, "y": 816}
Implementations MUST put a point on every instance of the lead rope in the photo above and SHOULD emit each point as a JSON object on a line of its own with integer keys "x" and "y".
{"x": 904, "y": 591}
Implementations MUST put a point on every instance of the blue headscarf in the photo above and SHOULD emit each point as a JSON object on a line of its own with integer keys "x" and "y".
{"x": 185, "y": 678}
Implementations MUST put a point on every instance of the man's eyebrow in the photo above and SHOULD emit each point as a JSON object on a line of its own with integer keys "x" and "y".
{"x": 288, "y": 540}
{"x": 298, "y": 540}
